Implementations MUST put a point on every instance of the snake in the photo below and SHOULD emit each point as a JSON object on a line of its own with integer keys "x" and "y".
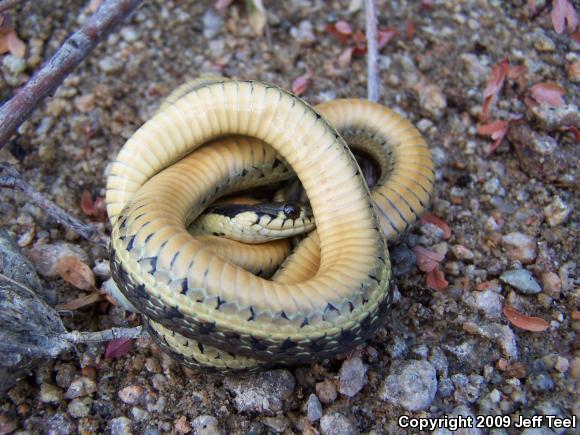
{"x": 219, "y": 136}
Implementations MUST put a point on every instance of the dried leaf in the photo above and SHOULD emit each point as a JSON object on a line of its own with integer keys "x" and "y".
{"x": 75, "y": 272}
{"x": 345, "y": 57}
{"x": 10, "y": 42}
{"x": 518, "y": 73}
{"x": 257, "y": 16}
{"x": 342, "y": 37}
{"x": 80, "y": 302}
{"x": 300, "y": 84}
{"x": 549, "y": 93}
{"x": 427, "y": 260}
{"x": 494, "y": 85}
{"x": 534, "y": 324}
{"x": 384, "y": 36}
{"x": 496, "y": 130}
{"x": 96, "y": 208}
{"x": 15, "y": 45}
{"x": 432, "y": 219}
{"x": 574, "y": 130}
{"x": 409, "y": 29}
{"x": 575, "y": 315}
{"x": 563, "y": 15}
{"x": 119, "y": 348}
{"x": 436, "y": 280}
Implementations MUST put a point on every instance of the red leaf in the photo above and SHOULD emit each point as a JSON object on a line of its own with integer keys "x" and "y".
{"x": 493, "y": 86}
{"x": 384, "y": 36}
{"x": 15, "y": 45}
{"x": 342, "y": 37}
{"x": 75, "y": 272}
{"x": 119, "y": 348}
{"x": 574, "y": 130}
{"x": 96, "y": 208}
{"x": 563, "y": 14}
{"x": 345, "y": 57}
{"x": 427, "y": 260}
{"x": 436, "y": 280}
{"x": 409, "y": 29}
{"x": 518, "y": 73}
{"x": 432, "y": 219}
{"x": 496, "y": 130}
{"x": 534, "y": 324}
{"x": 300, "y": 84}
{"x": 549, "y": 93}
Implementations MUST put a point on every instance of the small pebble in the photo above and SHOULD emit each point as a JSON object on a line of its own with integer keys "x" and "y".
{"x": 432, "y": 100}
{"x": 352, "y": 376}
{"x": 181, "y": 425}
{"x": 132, "y": 394}
{"x": 205, "y": 425}
{"x": 326, "y": 391}
{"x": 552, "y": 284}
{"x": 277, "y": 424}
{"x": 562, "y": 364}
{"x": 263, "y": 393}
{"x": 521, "y": 280}
{"x": 129, "y": 34}
{"x": 50, "y": 393}
{"x": 543, "y": 43}
{"x": 121, "y": 426}
{"x": 573, "y": 71}
{"x": 313, "y": 408}
{"x": 462, "y": 253}
{"x": 81, "y": 387}
{"x": 557, "y": 212}
{"x": 79, "y": 408}
{"x": 489, "y": 302}
{"x": 336, "y": 423}
{"x": 411, "y": 385}
{"x": 14, "y": 64}
{"x": 110, "y": 65}
{"x": 212, "y": 23}
{"x": 304, "y": 33}
{"x": 502, "y": 335}
{"x": 520, "y": 247}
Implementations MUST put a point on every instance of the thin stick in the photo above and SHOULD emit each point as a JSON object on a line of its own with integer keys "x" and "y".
{"x": 106, "y": 335}
{"x": 69, "y": 55}
{"x": 372, "y": 51}
{"x": 7, "y": 4}
{"x": 10, "y": 178}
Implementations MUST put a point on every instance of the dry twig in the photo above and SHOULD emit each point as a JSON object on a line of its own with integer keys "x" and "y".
{"x": 10, "y": 178}
{"x": 106, "y": 335}
{"x": 78, "y": 46}
{"x": 372, "y": 51}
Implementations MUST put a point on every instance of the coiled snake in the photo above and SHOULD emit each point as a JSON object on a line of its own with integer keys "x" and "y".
{"x": 332, "y": 292}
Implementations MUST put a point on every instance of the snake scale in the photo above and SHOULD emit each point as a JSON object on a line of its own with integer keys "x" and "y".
{"x": 332, "y": 292}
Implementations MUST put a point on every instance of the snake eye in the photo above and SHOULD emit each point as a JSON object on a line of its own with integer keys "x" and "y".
{"x": 291, "y": 210}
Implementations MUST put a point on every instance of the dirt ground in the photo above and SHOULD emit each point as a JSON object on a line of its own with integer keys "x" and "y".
{"x": 451, "y": 352}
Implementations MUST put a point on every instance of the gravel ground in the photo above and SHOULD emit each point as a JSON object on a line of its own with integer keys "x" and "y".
{"x": 512, "y": 215}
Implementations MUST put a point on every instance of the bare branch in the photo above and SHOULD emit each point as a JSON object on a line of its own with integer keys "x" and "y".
{"x": 106, "y": 335}
{"x": 10, "y": 178}
{"x": 372, "y": 51}
{"x": 69, "y": 55}
{"x": 7, "y": 4}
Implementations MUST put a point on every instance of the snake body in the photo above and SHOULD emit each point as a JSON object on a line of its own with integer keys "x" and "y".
{"x": 331, "y": 293}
